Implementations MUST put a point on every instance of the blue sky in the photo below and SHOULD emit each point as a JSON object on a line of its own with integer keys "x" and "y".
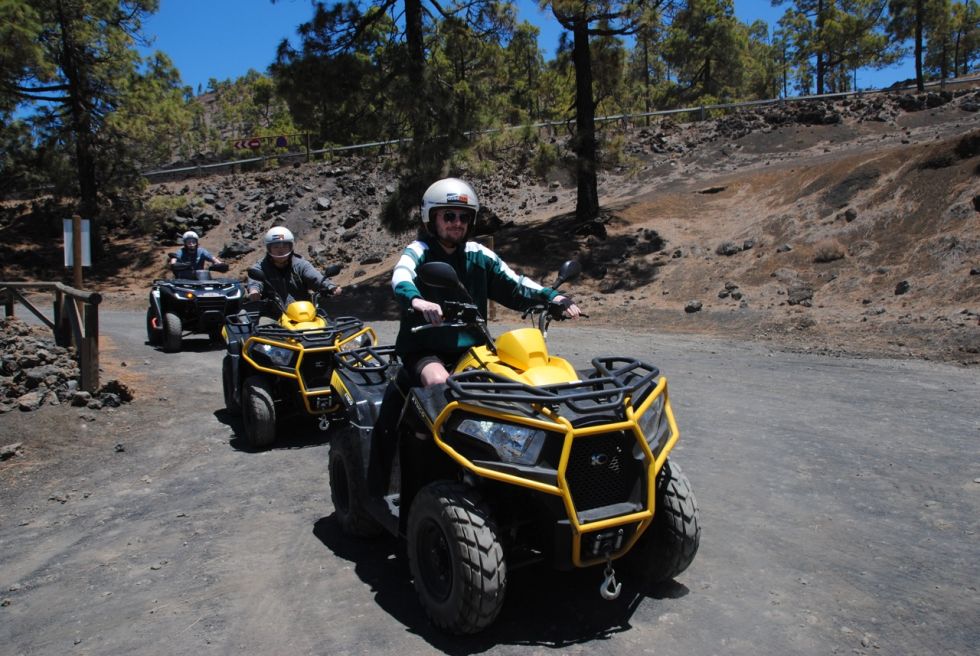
{"x": 223, "y": 39}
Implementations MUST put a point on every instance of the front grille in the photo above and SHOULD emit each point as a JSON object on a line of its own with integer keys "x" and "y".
{"x": 316, "y": 369}
{"x": 211, "y": 305}
{"x": 602, "y": 471}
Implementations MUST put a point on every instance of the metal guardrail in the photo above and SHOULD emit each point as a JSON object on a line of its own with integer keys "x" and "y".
{"x": 700, "y": 110}
{"x": 76, "y": 321}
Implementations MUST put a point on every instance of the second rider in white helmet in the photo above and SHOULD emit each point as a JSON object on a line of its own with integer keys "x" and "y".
{"x": 287, "y": 275}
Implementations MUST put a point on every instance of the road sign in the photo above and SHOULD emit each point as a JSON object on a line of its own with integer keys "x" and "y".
{"x": 85, "y": 251}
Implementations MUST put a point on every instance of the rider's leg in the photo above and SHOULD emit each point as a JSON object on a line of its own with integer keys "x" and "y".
{"x": 433, "y": 372}
{"x": 384, "y": 440}
{"x": 417, "y": 370}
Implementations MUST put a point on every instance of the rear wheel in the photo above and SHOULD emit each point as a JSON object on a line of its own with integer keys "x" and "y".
{"x": 258, "y": 412}
{"x": 228, "y": 385}
{"x": 154, "y": 333}
{"x": 348, "y": 485}
{"x": 172, "y": 332}
{"x": 670, "y": 543}
{"x": 456, "y": 558}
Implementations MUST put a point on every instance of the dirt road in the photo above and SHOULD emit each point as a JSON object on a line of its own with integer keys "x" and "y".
{"x": 839, "y": 504}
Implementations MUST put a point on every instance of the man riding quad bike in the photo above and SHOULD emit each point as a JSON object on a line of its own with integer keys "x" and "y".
{"x": 517, "y": 458}
{"x": 192, "y": 302}
{"x": 281, "y": 348}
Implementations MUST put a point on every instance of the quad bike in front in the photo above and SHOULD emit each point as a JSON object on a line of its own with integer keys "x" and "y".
{"x": 518, "y": 458}
{"x": 273, "y": 370}
{"x": 192, "y": 302}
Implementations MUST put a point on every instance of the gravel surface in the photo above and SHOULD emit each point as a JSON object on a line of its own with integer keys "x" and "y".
{"x": 839, "y": 502}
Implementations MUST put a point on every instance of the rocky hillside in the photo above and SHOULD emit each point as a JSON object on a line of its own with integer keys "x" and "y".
{"x": 848, "y": 226}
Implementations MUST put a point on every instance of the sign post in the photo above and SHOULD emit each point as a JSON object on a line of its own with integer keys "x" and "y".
{"x": 78, "y": 251}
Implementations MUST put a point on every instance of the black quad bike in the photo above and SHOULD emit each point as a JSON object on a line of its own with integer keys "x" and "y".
{"x": 192, "y": 302}
{"x": 286, "y": 367}
{"x": 518, "y": 458}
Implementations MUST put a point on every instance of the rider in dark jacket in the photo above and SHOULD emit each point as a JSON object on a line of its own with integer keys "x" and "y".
{"x": 287, "y": 276}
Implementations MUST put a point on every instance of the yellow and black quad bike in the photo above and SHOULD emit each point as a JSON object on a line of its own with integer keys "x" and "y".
{"x": 518, "y": 458}
{"x": 287, "y": 367}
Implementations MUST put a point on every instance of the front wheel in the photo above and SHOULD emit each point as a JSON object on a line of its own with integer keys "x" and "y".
{"x": 348, "y": 485}
{"x": 456, "y": 558}
{"x": 670, "y": 543}
{"x": 258, "y": 412}
{"x": 154, "y": 333}
{"x": 173, "y": 330}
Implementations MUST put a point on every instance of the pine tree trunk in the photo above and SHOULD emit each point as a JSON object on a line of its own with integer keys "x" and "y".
{"x": 587, "y": 206}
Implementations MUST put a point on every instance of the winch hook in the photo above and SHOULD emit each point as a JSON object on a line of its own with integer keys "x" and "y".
{"x": 610, "y": 589}
{"x": 324, "y": 424}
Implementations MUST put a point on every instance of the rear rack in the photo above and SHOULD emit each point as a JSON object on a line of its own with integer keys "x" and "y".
{"x": 612, "y": 380}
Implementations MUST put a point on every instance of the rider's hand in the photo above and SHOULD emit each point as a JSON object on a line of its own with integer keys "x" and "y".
{"x": 254, "y": 294}
{"x": 570, "y": 311}
{"x": 430, "y": 311}
{"x": 335, "y": 290}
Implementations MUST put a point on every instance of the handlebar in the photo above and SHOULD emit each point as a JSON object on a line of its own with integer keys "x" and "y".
{"x": 455, "y": 315}
{"x": 546, "y": 313}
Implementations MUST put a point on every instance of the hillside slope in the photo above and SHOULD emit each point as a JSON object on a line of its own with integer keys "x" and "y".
{"x": 851, "y": 226}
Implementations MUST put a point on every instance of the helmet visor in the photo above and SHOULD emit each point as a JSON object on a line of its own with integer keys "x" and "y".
{"x": 280, "y": 249}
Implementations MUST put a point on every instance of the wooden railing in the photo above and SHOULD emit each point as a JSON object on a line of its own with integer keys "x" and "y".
{"x": 76, "y": 321}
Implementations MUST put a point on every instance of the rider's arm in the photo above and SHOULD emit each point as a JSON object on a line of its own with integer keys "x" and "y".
{"x": 403, "y": 276}
{"x": 307, "y": 273}
{"x": 253, "y": 287}
{"x": 518, "y": 292}
{"x": 403, "y": 284}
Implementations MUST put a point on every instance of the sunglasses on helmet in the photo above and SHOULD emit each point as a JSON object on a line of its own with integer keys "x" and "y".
{"x": 452, "y": 217}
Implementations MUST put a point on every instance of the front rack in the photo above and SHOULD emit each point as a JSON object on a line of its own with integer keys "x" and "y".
{"x": 612, "y": 380}
{"x": 194, "y": 282}
{"x": 370, "y": 363}
{"x": 337, "y": 328}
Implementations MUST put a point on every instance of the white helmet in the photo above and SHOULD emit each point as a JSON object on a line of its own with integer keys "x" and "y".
{"x": 190, "y": 234}
{"x": 276, "y": 235}
{"x": 448, "y": 192}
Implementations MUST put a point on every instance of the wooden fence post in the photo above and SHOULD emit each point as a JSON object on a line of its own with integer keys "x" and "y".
{"x": 90, "y": 349}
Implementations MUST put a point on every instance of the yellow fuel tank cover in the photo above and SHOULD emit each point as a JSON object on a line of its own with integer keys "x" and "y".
{"x": 301, "y": 311}
{"x": 522, "y": 348}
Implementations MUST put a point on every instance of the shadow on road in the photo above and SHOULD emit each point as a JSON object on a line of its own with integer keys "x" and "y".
{"x": 297, "y": 432}
{"x": 544, "y": 607}
{"x": 201, "y": 344}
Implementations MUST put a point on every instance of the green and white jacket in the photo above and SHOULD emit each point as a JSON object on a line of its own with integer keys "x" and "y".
{"x": 483, "y": 274}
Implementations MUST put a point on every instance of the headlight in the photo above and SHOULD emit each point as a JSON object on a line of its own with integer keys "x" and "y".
{"x": 276, "y": 355}
{"x": 520, "y": 445}
{"x": 364, "y": 339}
{"x": 654, "y": 425}
{"x": 237, "y": 294}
